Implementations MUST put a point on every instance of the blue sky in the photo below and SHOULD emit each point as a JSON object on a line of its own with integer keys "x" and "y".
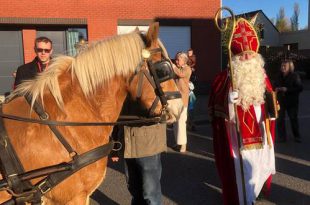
{"x": 270, "y": 8}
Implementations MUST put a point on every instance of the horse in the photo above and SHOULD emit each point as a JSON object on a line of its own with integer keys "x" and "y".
{"x": 89, "y": 87}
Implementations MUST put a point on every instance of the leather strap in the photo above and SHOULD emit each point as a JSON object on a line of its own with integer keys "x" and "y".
{"x": 10, "y": 163}
{"x": 44, "y": 116}
{"x": 124, "y": 120}
{"x": 78, "y": 163}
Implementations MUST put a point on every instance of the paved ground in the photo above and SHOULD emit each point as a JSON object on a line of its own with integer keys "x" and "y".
{"x": 191, "y": 178}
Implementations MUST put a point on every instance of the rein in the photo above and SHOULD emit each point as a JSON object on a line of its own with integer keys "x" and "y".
{"x": 123, "y": 120}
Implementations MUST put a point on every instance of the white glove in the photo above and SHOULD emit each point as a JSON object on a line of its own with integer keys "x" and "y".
{"x": 233, "y": 97}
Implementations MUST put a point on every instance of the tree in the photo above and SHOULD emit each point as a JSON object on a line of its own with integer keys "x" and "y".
{"x": 281, "y": 21}
{"x": 294, "y": 18}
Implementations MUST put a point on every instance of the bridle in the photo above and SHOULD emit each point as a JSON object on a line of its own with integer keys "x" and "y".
{"x": 157, "y": 73}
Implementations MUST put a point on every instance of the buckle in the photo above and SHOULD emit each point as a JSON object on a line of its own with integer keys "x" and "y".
{"x": 44, "y": 187}
{"x": 44, "y": 116}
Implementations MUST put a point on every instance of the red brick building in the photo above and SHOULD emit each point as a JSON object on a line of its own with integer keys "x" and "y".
{"x": 21, "y": 21}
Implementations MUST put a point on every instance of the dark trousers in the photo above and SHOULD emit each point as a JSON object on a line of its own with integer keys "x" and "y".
{"x": 292, "y": 112}
{"x": 143, "y": 180}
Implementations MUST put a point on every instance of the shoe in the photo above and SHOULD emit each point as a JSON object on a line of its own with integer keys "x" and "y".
{"x": 297, "y": 140}
{"x": 183, "y": 148}
{"x": 179, "y": 148}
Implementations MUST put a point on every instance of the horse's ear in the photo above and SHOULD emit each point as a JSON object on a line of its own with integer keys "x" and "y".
{"x": 152, "y": 33}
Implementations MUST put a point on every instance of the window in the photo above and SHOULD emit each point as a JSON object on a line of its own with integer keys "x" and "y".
{"x": 74, "y": 36}
{"x": 291, "y": 46}
{"x": 64, "y": 40}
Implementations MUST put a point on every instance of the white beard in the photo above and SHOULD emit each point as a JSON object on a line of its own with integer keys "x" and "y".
{"x": 249, "y": 79}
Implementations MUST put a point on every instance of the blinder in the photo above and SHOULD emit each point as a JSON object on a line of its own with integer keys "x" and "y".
{"x": 163, "y": 70}
{"x": 159, "y": 72}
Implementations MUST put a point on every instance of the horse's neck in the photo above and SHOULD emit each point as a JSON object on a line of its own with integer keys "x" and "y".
{"x": 104, "y": 105}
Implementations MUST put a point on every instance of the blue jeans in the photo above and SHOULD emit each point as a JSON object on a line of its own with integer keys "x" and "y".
{"x": 143, "y": 180}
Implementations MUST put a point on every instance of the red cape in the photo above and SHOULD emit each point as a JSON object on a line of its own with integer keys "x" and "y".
{"x": 219, "y": 113}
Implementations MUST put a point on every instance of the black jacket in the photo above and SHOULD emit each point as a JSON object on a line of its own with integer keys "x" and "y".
{"x": 294, "y": 86}
{"x": 26, "y": 72}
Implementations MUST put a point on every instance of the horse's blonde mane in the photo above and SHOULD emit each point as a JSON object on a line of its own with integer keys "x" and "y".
{"x": 96, "y": 64}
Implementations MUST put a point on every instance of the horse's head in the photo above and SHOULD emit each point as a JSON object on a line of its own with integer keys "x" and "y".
{"x": 153, "y": 85}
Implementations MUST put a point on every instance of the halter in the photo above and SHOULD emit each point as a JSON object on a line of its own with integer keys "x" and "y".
{"x": 159, "y": 72}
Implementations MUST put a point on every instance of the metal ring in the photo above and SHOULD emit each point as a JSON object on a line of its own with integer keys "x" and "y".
{"x": 4, "y": 143}
{"x": 73, "y": 154}
{"x": 119, "y": 148}
{"x": 44, "y": 117}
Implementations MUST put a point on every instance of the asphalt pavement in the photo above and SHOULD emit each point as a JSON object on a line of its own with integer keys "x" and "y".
{"x": 191, "y": 178}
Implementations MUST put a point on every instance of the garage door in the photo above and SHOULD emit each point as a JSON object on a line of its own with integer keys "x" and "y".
{"x": 175, "y": 38}
{"x": 11, "y": 56}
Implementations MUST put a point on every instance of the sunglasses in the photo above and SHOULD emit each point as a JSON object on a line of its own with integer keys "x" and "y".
{"x": 40, "y": 50}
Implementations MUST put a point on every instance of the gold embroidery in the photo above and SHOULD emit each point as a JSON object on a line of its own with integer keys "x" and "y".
{"x": 252, "y": 146}
{"x": 247, "y": 126}
{"x": 267, "y": 122}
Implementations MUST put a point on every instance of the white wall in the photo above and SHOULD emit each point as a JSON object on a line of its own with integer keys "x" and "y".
{"x": 174, "y": 38}
{"x": 1, "y": 98}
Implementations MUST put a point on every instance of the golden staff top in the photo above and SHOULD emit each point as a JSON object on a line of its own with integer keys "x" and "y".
{"x": 223, "y": 29}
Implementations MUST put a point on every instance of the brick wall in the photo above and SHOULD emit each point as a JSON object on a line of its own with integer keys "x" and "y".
{"x": 102, "y": 19}
{"x": 29, "y": 36}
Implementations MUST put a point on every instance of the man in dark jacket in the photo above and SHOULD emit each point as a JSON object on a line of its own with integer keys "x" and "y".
{"x": 288, "y": 86}
{"x": 43, "y": 49}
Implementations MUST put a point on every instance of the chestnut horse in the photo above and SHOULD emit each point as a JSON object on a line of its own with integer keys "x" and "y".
{"x": 90, "y": 87}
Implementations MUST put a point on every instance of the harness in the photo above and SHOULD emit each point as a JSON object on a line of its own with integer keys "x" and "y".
{"x": 17, "y": 182}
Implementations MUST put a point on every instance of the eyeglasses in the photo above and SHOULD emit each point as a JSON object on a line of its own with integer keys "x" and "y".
{"x": 40, "y": 50}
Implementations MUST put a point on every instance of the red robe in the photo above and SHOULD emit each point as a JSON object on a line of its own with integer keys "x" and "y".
{"x": 224, "y": 148}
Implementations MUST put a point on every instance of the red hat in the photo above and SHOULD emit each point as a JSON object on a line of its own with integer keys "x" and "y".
{"x": 244, "y": 38}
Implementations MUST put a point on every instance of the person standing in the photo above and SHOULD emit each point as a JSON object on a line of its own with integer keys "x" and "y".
{"x": 43, "y": 48}
{"x": 143, "y": 145}
{"x": 192, "y": 64}
{"x": 183, "y": 73}
{"x": 288, "y": 86}
{"x": 243, "y": 168}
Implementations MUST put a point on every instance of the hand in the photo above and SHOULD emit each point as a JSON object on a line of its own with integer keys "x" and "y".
{"x": 114, "y": 159}
{"x": 233, "y": 97}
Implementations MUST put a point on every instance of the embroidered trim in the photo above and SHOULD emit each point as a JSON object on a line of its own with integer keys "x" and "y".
{"x": 252, "y": 146}
{"x": 251, "y": 130}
